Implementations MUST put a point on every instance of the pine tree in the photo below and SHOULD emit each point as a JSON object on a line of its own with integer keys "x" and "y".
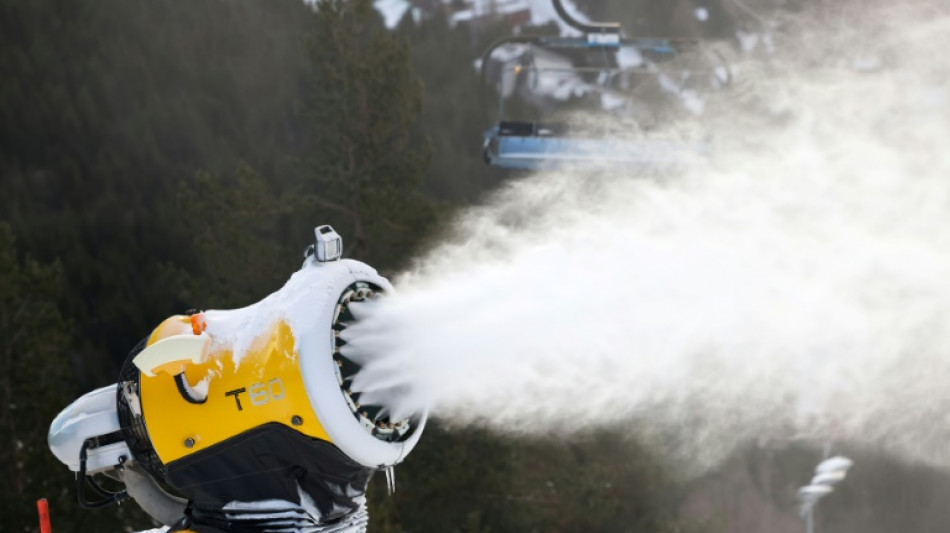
{"x": 34, "y": 374}
{"x": 365, "y": 170}
{"x": 234, "y": 223}
{"x": 36, "y": 382}
{"x": 457, "y": 107}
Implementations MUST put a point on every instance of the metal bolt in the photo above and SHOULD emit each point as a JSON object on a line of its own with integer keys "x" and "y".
{"x": 296, "y": 420}
{"x": 189, "y": 442}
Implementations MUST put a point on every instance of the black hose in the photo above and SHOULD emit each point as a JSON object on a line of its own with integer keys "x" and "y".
{"x": 187, "y": 392}
{"x": 81, "y": 480}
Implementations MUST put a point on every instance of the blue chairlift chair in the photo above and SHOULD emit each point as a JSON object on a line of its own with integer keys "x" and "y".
{"x": 521, "y": 144}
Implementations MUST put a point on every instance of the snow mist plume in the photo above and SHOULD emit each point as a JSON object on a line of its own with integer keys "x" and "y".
{"x": 796, "y": 286}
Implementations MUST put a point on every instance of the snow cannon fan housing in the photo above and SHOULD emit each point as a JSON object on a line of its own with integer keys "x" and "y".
{"x": 261, "y": 394}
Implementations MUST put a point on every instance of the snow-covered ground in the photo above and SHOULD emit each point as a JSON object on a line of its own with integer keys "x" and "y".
{"x": 392, "y": 11}
{"x": 542, "y": 11}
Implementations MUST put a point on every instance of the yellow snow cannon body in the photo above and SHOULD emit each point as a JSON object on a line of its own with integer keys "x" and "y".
{"x": 246, "y": 413}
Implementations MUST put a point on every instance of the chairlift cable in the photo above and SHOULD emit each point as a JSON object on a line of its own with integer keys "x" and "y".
{"x": 751, "y": 12}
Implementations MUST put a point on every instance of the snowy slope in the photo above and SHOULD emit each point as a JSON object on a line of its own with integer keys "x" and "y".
{"x": 392, "y": 11}
{"x": 542, "y": 11}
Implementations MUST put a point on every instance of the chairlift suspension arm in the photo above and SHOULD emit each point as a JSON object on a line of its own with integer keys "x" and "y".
{"x": 586, "y": 27}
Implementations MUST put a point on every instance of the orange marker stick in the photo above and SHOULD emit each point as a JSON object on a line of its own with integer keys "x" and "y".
{"x": 198, "y": 324}
{"x": 43, "y": 507}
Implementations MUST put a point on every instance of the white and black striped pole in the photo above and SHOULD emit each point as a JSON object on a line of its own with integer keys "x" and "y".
{"x": 827, "y": 474}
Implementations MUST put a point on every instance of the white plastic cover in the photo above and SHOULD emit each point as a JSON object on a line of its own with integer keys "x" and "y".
{"x": 92, "y": 415}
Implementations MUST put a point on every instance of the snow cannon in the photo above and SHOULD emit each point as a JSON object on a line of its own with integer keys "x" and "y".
{"x": 244, "y": 419}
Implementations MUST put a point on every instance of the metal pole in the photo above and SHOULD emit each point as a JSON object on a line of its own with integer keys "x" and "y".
{"x": 810, "y": 520}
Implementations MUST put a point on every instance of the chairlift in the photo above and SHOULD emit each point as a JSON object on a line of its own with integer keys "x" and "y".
{"x": 543, "y": 68}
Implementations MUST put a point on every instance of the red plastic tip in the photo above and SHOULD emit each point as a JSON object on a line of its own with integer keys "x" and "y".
{"x": 43, "y": 507}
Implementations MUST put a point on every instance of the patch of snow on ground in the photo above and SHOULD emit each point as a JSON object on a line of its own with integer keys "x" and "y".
{"x": 542, "y": 12}
{"x": 392, "y": 11}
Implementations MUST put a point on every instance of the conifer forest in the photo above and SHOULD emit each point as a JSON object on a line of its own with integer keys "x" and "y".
{"x": 158, "y": 156}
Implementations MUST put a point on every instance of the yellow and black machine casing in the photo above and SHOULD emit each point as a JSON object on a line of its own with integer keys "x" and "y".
{"x": 235, "y": 408}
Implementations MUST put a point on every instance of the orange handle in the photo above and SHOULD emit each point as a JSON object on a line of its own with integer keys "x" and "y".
{"x": 43, "y": 507}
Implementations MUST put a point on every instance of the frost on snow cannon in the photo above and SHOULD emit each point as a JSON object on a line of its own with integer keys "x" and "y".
{"x": 246, "y": 413}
